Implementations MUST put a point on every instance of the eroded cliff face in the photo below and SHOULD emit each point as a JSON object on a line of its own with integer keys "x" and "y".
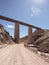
{"x": 4, "y": 36}
{"x": 41, "y": 40}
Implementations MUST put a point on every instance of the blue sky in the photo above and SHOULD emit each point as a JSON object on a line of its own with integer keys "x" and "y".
{"x": 35, "y": 12}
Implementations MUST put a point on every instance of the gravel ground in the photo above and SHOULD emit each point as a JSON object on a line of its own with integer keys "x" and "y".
{"x": 17, "y": 54}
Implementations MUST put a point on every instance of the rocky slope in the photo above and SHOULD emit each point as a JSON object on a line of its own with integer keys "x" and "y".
{"x": 4, "y": 36}
{"x": 41, "y": 40}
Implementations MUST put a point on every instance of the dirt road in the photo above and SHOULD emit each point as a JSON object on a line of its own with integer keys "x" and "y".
{"x": 17, "y": 54}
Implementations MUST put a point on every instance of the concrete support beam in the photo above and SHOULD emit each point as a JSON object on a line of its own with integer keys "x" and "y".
{"x": 16, "y": 33}
{"x": 30, "y": 35}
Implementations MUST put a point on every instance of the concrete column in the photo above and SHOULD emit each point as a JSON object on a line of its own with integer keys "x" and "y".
{"x": 30, "y": 35}
{"x": 16, "y": 33}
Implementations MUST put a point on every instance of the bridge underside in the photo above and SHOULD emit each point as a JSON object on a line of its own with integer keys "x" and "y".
{"x": 16, "y": 30}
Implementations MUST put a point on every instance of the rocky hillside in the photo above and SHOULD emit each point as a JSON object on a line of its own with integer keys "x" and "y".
{"x": 41, "y": 40}
{"x": 4, "y": 36}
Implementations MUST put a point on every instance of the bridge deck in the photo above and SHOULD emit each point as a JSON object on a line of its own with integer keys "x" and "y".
{"x": 15, "y": 21}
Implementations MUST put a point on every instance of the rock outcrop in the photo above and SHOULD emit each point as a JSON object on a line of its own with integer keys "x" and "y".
{"x": 4, "y": 36}
{"x": 41, "y": 40}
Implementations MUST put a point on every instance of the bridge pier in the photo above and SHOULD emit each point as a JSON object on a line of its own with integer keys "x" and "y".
{"x": 16, "y": 33}
{"x": 29, "y": 35}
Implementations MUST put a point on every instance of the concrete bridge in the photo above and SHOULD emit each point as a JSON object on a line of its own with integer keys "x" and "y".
{"x": 16, "y": 30}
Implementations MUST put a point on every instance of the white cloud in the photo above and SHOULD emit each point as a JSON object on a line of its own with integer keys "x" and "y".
{"x": 35, "y": 11}
{"x": 38, "y": 6}
{"x": 10, "y": 26}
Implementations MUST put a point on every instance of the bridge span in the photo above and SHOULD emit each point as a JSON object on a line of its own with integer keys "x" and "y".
{"x": 16, "y": 30}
